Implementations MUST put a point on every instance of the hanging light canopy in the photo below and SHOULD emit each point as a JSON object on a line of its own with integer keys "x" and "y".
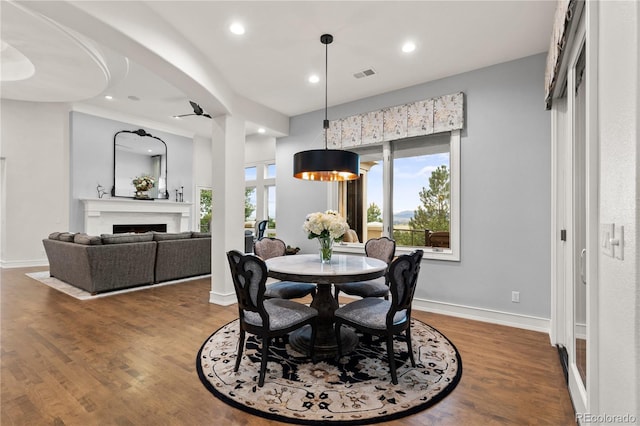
{"x": 326, "y": 164}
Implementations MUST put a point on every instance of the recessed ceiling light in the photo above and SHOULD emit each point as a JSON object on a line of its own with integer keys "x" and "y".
{"x": 261, "y": 130}
{"x": 237, "y": 28}
{"x": 149, "y": 150}
{"x": 408, "y": 47}
{"x": 108, "y": 97}
{"x": 314, "y": 78}
{"x": 176, "y": 117}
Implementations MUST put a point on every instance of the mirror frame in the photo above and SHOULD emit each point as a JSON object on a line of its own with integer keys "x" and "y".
{"x": 143, "y": 133}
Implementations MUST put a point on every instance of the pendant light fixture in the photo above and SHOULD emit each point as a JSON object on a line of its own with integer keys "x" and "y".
{"x": 326, "y": 164}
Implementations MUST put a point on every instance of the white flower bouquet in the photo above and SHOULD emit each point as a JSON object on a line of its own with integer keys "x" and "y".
{"x": 327, "y": 225}
{"x": 143, "y": 183}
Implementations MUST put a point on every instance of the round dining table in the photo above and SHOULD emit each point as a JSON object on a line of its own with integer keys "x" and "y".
{"x": 341, "y": 269}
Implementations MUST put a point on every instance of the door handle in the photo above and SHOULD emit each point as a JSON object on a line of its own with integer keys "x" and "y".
{"x": 583, "y": 275}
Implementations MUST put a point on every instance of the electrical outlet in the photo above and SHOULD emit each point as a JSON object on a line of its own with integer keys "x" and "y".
{"x": 515, "y": 296}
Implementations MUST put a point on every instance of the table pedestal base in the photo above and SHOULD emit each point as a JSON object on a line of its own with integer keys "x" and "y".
{"x": 325, "y": 346}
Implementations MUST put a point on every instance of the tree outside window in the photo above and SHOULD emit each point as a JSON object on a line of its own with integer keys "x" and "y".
{"x": 432, "y": 215}
{"x": 249, "y": 204}
{"x": 205, "y": 210}
{"x": 374, "y": 214}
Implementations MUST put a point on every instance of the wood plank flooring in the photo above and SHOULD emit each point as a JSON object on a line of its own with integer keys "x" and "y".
{"x": 130, "y": 360}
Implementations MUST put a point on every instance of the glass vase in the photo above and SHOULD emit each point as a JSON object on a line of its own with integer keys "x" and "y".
{"x": 141, "y": 195}
{"x": 326, "y": 249}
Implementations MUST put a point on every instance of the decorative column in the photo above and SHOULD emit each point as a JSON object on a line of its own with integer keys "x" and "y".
{"x": 227, "y": 224}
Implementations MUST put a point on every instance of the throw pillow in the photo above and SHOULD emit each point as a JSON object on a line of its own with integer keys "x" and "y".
{"x": 165, "y": 236}
{"x": 88, "y": 240}
{"x": 66, "y": 236}
{"x": 201, "y": 234}
{"x": 54, "y": 235}
{"x": 126, "y": 238}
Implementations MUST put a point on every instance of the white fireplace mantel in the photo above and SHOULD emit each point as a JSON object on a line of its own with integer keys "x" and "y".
{"x": 100, "y": 214}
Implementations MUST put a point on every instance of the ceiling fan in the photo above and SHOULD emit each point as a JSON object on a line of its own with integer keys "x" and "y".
{"x": 196, "y": 111}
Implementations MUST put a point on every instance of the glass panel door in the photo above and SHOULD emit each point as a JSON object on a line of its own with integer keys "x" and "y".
{"x": 580, "y": 219}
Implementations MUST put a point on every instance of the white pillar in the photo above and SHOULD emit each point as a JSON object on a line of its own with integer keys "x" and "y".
{"x": 613, "y": 366}
{"x": 227, "y": 223}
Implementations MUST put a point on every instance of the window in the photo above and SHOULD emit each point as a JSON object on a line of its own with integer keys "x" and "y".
{"x": 408, "y": 191}
{"x": 421, "y": 194}
{"x": 260, "y": 196}
{"x": 271, "y": 210}
{"x": 250, "y": 204}
{"x": 204, "y": 209}
{"x": 250, "y": 173}
{"x": 271, "y": 171}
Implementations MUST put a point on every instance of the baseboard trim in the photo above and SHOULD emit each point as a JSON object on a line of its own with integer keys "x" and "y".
{"x": 222, "y": 299}
{"x": 8, "y": 264}
{"x": 526, "y": 322}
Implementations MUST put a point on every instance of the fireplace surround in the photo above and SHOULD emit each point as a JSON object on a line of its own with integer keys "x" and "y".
{"x": 100, "y": 215}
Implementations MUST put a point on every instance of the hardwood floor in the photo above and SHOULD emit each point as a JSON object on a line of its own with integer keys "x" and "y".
{"x": 130, "y": 360}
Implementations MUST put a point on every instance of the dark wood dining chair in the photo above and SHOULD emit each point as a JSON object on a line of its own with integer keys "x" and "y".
{"x": 268, "y": 247}
{"x": 265, "y": 318}
{"x": 261, "y": 228}
{"x": 382, "y": 248}
{"x": 386, "y": 318}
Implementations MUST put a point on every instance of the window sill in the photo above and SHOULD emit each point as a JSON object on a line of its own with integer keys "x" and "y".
{"x": 429, "y": 253}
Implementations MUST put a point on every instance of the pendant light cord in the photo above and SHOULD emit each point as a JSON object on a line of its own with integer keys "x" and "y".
{"x": 326, "y": 39}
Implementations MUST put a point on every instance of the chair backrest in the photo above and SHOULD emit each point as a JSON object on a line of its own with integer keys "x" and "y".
{"x": 269, "y": 247}
{"x": 382, "y": 248}
{"x": 249, "y": 274}
{"x": 403, "y": 277}
{"x": 261, "y": 228}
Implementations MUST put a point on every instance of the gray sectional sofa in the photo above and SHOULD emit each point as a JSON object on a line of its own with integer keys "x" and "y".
{"x": 116, "y": 261}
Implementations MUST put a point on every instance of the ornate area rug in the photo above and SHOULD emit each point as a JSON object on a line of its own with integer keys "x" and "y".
{"x": 355, "y": 390}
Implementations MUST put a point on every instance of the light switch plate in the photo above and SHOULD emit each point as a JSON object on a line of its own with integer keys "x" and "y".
{"x": 618, "y": 247}
{"x": 606, "y": 234}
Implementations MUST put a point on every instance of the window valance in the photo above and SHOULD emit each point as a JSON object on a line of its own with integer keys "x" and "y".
{"x": 435, "y": 115}
{"x": 565, "y": 10}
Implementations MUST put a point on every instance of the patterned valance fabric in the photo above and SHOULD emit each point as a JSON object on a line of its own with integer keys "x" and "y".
{"x": 435, "y": 115}
{"x": 563, "y": 16}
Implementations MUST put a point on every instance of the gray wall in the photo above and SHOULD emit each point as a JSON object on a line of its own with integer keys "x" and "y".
{"x": 34, "y": 178}
{"x": 505, "y": 187}
{"x": 92, "y": 161}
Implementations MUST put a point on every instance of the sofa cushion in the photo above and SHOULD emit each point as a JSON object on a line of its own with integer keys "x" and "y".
{"x": 126, "y": 238}
{"x": 164, "y": 236}
{"x": 54, "y": 235}
{"x": 66, "y": 236}
{"x": 88, "y": 240}
{"x": 201, "y": 234}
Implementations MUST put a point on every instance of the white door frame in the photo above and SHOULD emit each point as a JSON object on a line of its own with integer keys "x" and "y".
{"x": 563, "y": 265}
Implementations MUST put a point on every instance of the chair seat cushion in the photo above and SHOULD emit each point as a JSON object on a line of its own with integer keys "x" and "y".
{"x": 282, "y": 314}
{"x": 370, "y": 313}
{"x": 288, "y": 290}
{"x": 372, "y": 288}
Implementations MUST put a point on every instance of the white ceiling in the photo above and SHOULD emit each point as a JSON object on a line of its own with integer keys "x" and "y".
{"x": 271, "y": 62}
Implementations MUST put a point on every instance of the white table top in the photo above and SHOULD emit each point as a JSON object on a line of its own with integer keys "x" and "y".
{"x": 342, "y": 265}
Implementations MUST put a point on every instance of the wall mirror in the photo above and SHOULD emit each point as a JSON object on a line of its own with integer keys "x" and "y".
{"x": 137, "y": 153}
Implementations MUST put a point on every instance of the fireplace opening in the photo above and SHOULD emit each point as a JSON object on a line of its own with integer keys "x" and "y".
{"x": 140, "y": 228}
